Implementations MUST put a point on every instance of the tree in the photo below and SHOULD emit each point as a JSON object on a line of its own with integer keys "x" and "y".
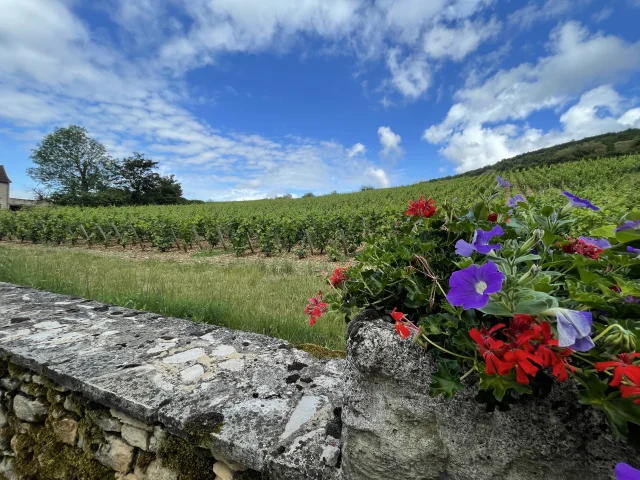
{"x": 308, "y": 194}
{"x": 70, "y": 163}
{"x": 364, "y": 188}
{"x": 136, "y": 177}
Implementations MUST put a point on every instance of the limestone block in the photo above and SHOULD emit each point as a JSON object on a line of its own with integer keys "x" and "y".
{"x": 66, "y": 429}
{"x": 135, "y": 436}
{"x": 115, "y": 454}
{"x": 222, "y": 471}
{"x": 10, "y": 383}
{"x": 29, "y": 410}
{"x": 124, "y": 418}
{"x": 105, "y": 421}
{"x": 330, "y": 455}
{"x": 156, "y": 471}
{"x": 159, "y": 434}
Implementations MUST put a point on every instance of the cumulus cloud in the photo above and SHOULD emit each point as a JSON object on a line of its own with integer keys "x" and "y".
{"x": 457, "y": 42}
{"x": 357, "y": 149}
{"x": 576, "y": 63}
{"x": 411, "y": 75}
{"x": 390, "y": 143}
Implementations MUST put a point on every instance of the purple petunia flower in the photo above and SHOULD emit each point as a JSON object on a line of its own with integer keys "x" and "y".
{"x": 502, "y": 182}
{"x": 574, "y": 328}
{"x": 628, "y": 225}
{"x": 513, "y": 201}
{"x": 598, "y": 242}
{"x": 480, "y": 242}
{"x": 626, "y": 472}
{"x": 471, "y": 287}
{"x": 578, "y": 202}
{"x": 633, "y": 250}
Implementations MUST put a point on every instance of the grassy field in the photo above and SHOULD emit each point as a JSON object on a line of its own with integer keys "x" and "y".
{"x": 259, "y": 296}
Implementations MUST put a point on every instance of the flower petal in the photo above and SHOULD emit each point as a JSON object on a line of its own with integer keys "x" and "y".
{"x": 464, "y": 248}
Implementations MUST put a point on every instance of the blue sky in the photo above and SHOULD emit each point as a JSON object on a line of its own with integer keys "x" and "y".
{"x": 245, "y": 99}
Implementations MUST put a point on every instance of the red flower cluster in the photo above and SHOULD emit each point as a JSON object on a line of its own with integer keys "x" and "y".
{"x": 528, "y": 346}
{"x": 492, "y": 217}
{"x": 583, "y": 248}
{"x": 626, "y": 375}
{"x": 315, "y": 309}
{"x": 338, "y": 277}
{"x": 421, "y": 208}
{"x": 403, "y": 326}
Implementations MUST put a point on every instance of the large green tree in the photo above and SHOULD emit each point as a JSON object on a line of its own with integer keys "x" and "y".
{"x": 71, "y": 163}
{"x": 143, "y": 185}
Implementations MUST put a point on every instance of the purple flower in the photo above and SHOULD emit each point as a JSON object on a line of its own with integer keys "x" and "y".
{"x": 628, "y": 225}
{"x": 513, "y": 201}
{"x": 626, "y": 472}
{"x": 472, "y": 286}
{"x": 598, "y": 242}
{"x": 631, "y": 299}
{"x": 502, "y": 182}
{"x": 578, "y": 202}
{"x": 480, "y": 242}
{"x": 574, "y": 328}
{"x": 633, "y": 250}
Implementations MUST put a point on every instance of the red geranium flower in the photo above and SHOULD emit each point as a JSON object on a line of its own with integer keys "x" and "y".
{"x": 338, "y": 277}
{"x": 421, "y": 208}
{"x": 632, "y": 391}
{"x": 583, "y": 248}
{"x": 315, "y": 309}
{"x": 493, "y": 217}
{"x": 552, "y": 355}
{"x": 522, "y": 359}
{"x": 403, "y": 327}
{"x": 491, "y": 349}
{"x": 623, "y": 366}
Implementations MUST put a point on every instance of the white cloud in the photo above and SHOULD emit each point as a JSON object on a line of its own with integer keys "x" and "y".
{"x": 410, "y": 76}
{"x": 378, "y": 176}
{"x": 576, "y": 63}
{"x": 390, "y": 143}
{"x": 457, "y": 42}
{"x": 534, "y": 12}
{"x": 602, "y": 15}
{"x": 357, "y": 149}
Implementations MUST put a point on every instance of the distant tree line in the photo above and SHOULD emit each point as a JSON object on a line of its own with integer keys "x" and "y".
{"x": 75, "y": 169}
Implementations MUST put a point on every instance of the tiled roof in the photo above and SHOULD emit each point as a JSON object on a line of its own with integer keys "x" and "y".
{"x": 3, "y": 175}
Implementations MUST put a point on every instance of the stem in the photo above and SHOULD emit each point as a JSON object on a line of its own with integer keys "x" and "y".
{"x": 606, "y": 330}
{"x": 473, "y": 369}
{"x": 443, "y": 349}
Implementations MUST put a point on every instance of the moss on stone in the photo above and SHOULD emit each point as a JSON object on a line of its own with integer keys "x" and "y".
{"x": 34, "y": 389}
{"x": 17, "y": 371}
{"x": 321, "y": 352}
{"x": 75, "y": 403}
{"x": 144, "y": 459}
{"x": 41, "y": 456}
{"x": 185, "y": 458}
{"x": 91, "y": 434}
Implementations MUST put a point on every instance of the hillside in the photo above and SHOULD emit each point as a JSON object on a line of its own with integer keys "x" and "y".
{"x": 606, "y": 145}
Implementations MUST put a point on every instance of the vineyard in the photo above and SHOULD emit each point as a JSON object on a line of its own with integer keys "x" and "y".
{"x": 334, "y": 225}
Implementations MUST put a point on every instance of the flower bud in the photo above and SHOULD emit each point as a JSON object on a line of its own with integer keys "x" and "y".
{"x": 620, "y": 340}
{"x": 535, "y": 237}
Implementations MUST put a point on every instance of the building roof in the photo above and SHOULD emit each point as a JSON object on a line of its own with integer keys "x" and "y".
{"x": 3, "y": 175}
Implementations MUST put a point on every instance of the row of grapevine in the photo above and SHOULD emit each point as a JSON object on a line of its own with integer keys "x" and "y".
{"x": 333, "y": 224}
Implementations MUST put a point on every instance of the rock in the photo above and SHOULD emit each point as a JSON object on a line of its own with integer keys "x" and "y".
{"x": 330, "y": 455}
{"x": 124, "y": 418}
{"x": 115, "y": 454}
{"x": 66, "y": 430}
{"x": 157, "y": 438}
{"x": 33, "y": 390}
{"x": 392, "y": 429}
{"x": 3, "y": 416}
{"x": 136, "y": 437}
{"x": 29, "y": 410}
{"x": 222, "y": 471}
{"x": 6, "y": 469}
{"x": 156, "y": 471}
{"x": 105, "y": 421}
{"x": 10, "y": 384}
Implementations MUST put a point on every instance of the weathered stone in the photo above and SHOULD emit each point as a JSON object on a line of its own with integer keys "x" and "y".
{"x": 74, "y": 404}
{"x": 159, "y": 435}
{"x": 29, "y": 410}
{"x": 136, "y": 437}
{"x": 115, "y": 454}
{"x": 7, "y": 469}
{"x": 124, "y": 418}
{"x": 222, "y": 471}
{"x": 105, "y": 421}
{"x": 10, "y": 384}
{"x": 66, "y": 430}
{"x": 393, "y": 429}
{"x": 33, "y": 390}
{"x": 3, "y": 416}
{"x": 330, "y": 455}
{"x": 156, "y": 471}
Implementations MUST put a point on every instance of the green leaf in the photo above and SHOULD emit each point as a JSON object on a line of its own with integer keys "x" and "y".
{"x": 606, "y": 231}
{"x": 588, "y": 277}
{"x": 625, "y": 236}
{"x": 443, "y": 382}
{"x": 500, "y": 384}
{"x": 619, "y": 411}
{"x": 535, "y": 302}
{"x": 547, "y": 211}
{"x": 527, "y": 258}
{"x": 495, "y": 308}
{"x": 548, "y": 238}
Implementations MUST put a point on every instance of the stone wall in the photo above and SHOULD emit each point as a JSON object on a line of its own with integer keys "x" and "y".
{"x": 4, "y": 195}
{"x": 89, "y": 391}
